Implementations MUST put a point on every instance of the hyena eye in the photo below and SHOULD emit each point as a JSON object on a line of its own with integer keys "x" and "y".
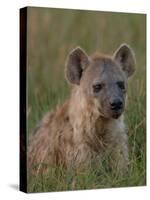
{"x": 121, "y": 85}
{"x": 97, "y": 87}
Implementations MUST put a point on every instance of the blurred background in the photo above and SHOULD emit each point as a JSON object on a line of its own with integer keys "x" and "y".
{"x": 51, "y": 35}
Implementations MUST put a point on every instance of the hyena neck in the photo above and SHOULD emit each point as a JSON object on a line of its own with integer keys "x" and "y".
{"x": 86, "y": 121}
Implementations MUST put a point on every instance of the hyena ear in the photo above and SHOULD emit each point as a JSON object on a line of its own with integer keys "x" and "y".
{"x": 124, "y": 55}
{"x": 77, "y": 62}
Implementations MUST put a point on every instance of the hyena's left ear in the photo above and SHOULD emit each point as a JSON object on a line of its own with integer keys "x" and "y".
{"x": 124, "y": 55}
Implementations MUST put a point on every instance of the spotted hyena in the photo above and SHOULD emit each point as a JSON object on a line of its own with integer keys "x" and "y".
{"x": 90, "y": 125}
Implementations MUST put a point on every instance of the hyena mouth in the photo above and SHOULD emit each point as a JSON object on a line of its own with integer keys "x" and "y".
{"x": 117, "y": 114}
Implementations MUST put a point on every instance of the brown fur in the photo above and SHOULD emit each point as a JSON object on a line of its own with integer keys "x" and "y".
{"x": 79, "y": 132}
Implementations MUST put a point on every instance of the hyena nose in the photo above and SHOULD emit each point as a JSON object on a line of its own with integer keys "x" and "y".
{"x": 117, "y": 104}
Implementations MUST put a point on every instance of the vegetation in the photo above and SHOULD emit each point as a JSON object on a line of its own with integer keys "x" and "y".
{"x": 52, "y": 33}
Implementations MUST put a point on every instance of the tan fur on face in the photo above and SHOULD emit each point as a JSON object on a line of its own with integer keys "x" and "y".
{"x": 77, "y": 133}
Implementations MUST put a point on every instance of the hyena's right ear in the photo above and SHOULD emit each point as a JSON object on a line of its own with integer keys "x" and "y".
{"x": 77, "y": 62}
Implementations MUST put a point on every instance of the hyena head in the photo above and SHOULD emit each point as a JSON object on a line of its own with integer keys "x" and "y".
{"x": 103, "y": 79}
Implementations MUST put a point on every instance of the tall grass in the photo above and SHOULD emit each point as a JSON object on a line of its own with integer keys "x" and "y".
{"x": 52, "y": 33}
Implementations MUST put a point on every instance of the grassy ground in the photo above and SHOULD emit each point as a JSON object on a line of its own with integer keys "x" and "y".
{"x": 52, "y": 34}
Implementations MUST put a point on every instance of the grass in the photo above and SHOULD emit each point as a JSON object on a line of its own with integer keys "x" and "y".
{"x": 52, "y": 34}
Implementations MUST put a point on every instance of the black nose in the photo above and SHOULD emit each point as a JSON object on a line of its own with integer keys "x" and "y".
{"x": 116, "y": 104}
